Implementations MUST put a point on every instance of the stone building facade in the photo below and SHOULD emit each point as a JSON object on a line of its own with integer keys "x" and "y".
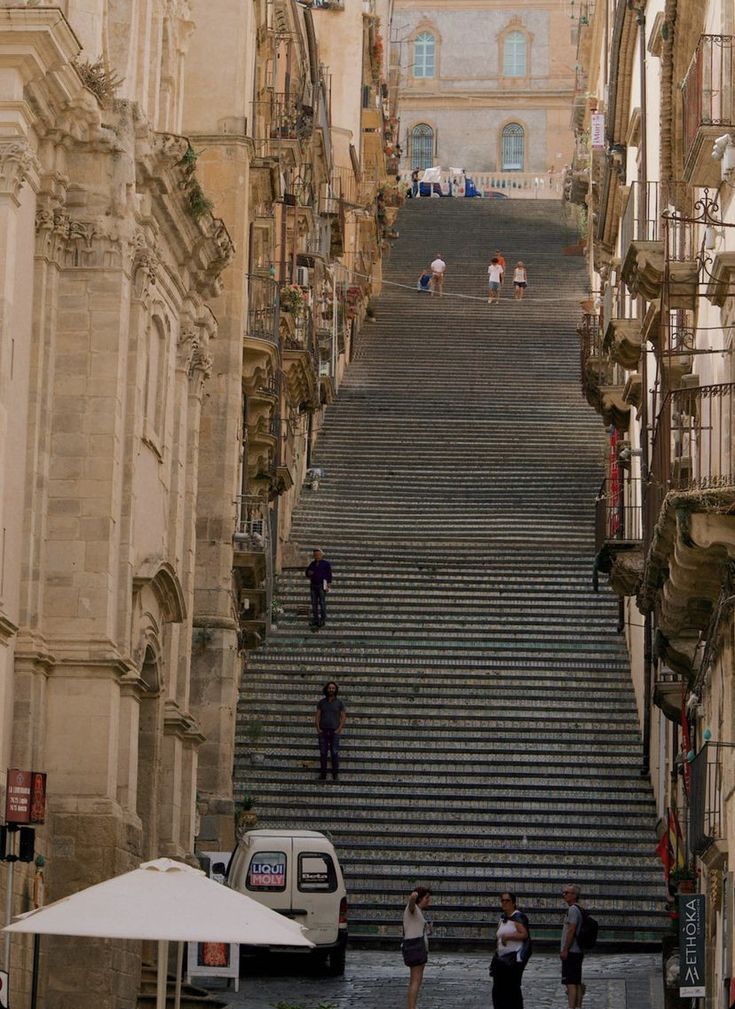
{"x": 484, "y": 86}
{"x": 184, "y": 263}
{"x": 652, "y": 184}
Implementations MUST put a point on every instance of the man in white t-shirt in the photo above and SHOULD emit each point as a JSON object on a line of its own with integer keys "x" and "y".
{"x": 494, "y": 280}
{"x": 438, "y": 269}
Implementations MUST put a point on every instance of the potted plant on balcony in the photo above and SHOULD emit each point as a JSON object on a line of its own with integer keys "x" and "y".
{"x": 293, "y": 299}
{"x": 683, "y": 880}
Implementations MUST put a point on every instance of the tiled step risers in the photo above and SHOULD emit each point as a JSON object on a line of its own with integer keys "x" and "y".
{"x": 492, "y": 737}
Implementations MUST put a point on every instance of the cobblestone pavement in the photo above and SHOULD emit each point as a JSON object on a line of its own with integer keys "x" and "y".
{"x": 377, "y": 980}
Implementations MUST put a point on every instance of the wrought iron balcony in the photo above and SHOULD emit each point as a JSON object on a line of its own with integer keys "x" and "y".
{"x": 668, "y": 693}
{"x": 252, "y": 565}
{"x": 618, "y": 512}
{"x": 708, "y": 105}
{"x": 641, "y": 241}
{"x": 281, "y": 117}
{"x": 706, "y": 814}
{"x": 262, "y": 302}
{"x": 693, "y": 446}
{"x": 603, "y": 381}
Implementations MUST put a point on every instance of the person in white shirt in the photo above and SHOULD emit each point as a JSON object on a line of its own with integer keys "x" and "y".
{"x": 416, "y": 927}
{"x": 520, "y": 280}
{"x": 494, "y": 280}
{"x": 511, "y": 955}
{"x": 438, "y": 269}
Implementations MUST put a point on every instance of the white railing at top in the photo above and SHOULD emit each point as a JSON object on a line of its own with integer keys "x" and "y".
{"x": 513, "y": 185}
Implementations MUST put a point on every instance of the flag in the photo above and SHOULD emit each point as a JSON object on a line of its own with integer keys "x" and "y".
{"x": 670, "y": 848}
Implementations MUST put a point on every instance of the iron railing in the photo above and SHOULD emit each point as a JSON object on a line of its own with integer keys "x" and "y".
{"x": 281, "y": 116}
{"x": 618, "y": 511}
{"x": 640, "y": 221}
{"x": 706, "y": 820}
{"x": 262, "y": 308}
{"x": 708, "y": 89}
{"x": 692, "y": 446}
{"x": 252, "y": 532}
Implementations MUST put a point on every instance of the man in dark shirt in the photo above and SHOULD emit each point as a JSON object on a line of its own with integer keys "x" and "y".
{"x": 331, "y": 716}
{"x": 319, "y": 573}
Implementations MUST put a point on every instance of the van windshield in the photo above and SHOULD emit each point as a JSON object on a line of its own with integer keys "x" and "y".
{"x": 267, "y": 871}
{"x": 316, "y": 873}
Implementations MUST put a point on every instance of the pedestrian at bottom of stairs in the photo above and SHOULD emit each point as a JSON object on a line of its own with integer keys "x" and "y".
{"x": 571, "y": 952}
{"x": 319, "y": 573}
{"x": 330, "y": 718}
{"x": 512, "y": 952}
{"x": 415, "y": 945}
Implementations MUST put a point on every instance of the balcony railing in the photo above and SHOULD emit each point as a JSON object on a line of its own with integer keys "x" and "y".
{"x": 618, "y": 512}
{"x": 262, "y": 301}
{"x": 641, "y": 221}
{"x": 281, "y": 117}
{"x": 693, "y": 445}
{"x": 708, "y": 89}
{"x": 252, "y": 530}
{"x": 706, "y": 818}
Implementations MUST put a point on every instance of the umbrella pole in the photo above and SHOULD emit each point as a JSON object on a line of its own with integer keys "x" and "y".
{"x": 162, "y": 974}
{"x": 179, "y": 968}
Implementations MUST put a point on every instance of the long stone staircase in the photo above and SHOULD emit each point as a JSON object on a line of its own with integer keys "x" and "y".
{"x": 492, "y": 738}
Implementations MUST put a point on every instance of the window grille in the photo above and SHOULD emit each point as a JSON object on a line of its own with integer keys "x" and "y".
{"x": 513, "y": 148}
{"x": 422, "y": 146}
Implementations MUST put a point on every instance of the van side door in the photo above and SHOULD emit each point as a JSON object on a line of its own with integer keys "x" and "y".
{"x": 315, "y": 893}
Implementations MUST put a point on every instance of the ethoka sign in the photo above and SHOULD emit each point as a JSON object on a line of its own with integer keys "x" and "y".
{"x": 691, "y": 945}
{"x": 25, "y": 796}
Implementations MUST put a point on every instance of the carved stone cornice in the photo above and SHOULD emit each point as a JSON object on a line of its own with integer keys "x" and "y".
{"x": 73, "y": 243}
{"x": 18, "y": 165}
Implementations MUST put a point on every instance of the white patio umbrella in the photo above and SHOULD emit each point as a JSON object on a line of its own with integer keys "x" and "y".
{"x": 165, "y": 901}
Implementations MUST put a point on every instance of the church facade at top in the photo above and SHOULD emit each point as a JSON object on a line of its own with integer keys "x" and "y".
{"x": 486, "y": 86}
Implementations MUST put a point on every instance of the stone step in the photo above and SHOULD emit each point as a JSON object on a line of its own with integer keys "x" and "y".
{"x": 492, "y": 734}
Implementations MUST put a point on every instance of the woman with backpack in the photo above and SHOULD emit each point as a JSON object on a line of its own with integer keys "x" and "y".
{"x": 513, "y": 949}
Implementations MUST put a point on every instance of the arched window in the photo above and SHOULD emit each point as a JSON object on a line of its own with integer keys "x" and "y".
{"x": 513, "y": 156}
{"x": 422, "y": 146}
{"x": 424, "y": 53}
{"x": 514, "y": 55}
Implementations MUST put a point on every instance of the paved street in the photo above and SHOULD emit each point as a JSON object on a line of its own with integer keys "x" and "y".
{"x": 377, "y": 980}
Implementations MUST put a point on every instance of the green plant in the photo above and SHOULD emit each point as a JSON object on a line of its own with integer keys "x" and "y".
{"x": 681, "y": 874}
{"x": 247, "y": 802}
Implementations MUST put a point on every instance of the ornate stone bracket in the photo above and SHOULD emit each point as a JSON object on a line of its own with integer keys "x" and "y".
{"x": 18, "y": 165}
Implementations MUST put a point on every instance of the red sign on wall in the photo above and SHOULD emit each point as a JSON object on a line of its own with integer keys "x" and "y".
{"x": 25, "y": 796}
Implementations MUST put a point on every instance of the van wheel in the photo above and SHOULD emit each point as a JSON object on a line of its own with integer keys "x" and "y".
{"x": 336, "y": 965}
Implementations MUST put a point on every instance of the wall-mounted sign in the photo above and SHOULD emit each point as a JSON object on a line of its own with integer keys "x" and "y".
{"x": 692, "y": 978}
{"x": 597, "y": 130}
{"x": 25, "y": 796}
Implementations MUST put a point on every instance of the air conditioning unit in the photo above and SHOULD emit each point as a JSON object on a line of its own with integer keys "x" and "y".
{"x": 303, "y": 278}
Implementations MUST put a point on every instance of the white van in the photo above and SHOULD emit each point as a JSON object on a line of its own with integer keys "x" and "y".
{"x": 297, "y": 873}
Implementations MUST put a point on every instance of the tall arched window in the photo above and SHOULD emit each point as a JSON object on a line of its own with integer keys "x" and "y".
{"x": 422, "y": 146}
{"x": 514, "y": 55}
{"x": 513, "y": 156}
{"x": 424, "y": 53}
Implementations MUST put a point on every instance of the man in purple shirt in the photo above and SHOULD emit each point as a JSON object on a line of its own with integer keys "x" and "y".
{"x": 319, "y": 573}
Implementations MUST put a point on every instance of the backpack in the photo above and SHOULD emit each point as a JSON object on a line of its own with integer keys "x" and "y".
{"x": 587, "y": 931}
{"x": 527, "y": 947}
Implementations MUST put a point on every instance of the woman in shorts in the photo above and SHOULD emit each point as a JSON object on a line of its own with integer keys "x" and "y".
{"x": 494, "y": 280}
{"x": 415, "y": 928}
{"x": 520, "y": 280}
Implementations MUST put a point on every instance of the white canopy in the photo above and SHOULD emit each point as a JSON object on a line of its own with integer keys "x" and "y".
{"x": 163, "y": 900}
{"x": 432, "y": 174}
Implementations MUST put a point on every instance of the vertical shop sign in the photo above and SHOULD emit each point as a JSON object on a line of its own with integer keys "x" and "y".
{"x": 691, "y": 945}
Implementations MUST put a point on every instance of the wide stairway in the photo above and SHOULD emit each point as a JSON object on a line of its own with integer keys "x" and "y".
{"x": 492, "y": 739}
